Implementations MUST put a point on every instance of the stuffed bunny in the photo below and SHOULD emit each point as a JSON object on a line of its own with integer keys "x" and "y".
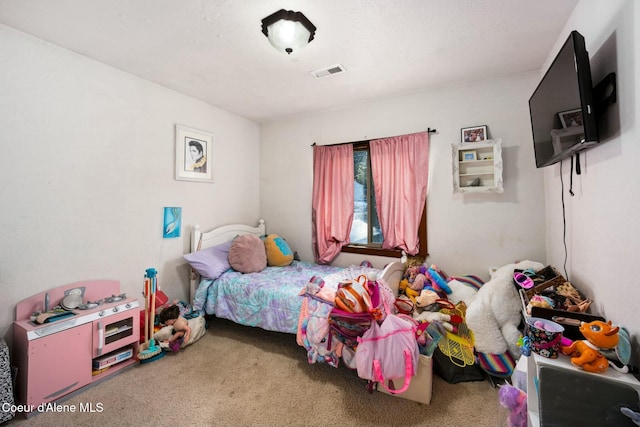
{"x": 495, "y": 312}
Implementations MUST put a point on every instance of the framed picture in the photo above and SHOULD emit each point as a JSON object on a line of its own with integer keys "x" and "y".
{"x": 172, "y": 222}
{"x": 469, "y": 155}
{"x": 474, "y": 134}
{"x": 571, "y": 118}
{"x": 193, "y": 154}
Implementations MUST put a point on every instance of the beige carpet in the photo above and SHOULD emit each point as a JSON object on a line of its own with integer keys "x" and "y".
{"x": 240, "y": 376}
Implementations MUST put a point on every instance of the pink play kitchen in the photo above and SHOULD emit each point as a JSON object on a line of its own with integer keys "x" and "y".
{"x": 72, "y": 336}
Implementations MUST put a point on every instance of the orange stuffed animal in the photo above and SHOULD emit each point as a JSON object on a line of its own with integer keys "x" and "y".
{"x": 585, "y": 353}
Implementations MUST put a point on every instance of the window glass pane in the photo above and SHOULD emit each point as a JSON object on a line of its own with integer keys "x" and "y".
{"x": 359, "y": 227}
{"x": 376, "y": 231}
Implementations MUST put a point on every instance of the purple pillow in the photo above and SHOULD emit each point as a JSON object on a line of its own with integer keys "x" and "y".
{"x": 210, "y": 263}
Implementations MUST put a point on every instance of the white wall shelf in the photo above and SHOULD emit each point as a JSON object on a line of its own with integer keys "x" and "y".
{"x": 477, "y": 167}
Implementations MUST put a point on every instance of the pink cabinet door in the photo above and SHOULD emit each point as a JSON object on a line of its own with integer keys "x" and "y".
{"x": 59, "y": 364}
{"x": 115, "y": 331}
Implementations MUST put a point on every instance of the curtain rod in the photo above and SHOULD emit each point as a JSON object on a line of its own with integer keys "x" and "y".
{"x": 429, "y": 130}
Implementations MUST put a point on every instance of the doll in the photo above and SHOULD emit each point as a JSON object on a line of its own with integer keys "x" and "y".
{"x": 181, "y": 332}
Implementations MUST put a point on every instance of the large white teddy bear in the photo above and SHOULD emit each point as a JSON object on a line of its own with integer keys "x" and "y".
{"x": 494, "y": 314}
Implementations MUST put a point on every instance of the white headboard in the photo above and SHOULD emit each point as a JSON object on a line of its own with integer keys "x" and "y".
{"x": 200, "y": 240}
{"x": 392, "y": 273}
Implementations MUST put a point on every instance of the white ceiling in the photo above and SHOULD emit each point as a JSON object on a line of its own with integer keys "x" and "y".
{"x": 214, "y": 50}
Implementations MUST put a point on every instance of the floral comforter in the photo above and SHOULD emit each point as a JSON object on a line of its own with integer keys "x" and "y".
{"x": 269, "y": 299}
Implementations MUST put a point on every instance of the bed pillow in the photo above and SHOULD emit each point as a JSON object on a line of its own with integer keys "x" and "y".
{"x": 247, "y": 254}
{"x": 210, "y": 263}
{"x": 278, "y": 252}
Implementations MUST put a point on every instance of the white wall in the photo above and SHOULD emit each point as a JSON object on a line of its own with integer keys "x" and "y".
{"x": 87, "y": 166}
{"x": 603, "y": 231}
{"x": 88, "y": 151}
{"x": 467, "y": 233}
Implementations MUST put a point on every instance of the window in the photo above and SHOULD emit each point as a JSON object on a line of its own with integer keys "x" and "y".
{"x": 365, "y": 229}
{"x": 366, "y": 235}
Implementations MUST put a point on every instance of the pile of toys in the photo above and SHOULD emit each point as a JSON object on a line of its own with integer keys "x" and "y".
{"x": 563, "y": 297}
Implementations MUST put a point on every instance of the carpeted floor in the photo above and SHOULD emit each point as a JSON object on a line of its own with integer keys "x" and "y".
{"x": 240, "y": 376}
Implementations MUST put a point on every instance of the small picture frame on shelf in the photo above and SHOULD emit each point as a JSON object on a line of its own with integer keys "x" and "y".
{"x": 469, "y": 155}
{"x": 474, "y": 134}
{"x": 571, "y": 118}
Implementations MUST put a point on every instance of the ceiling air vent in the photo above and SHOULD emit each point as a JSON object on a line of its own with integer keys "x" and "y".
{"x": 328, "y": 71}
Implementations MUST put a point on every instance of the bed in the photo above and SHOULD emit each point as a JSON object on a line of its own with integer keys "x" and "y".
{"x": 286, "y": 299}
{"x": 272, "y": 298}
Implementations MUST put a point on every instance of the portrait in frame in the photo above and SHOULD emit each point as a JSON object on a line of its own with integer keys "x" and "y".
{"x": 193, "y": 154}
{"x": 474, "y": 134}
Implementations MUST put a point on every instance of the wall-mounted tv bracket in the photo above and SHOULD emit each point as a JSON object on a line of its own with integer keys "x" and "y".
{"x": 605, "y": 92}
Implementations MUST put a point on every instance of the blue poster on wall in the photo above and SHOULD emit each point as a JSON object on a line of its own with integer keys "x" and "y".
{"x": 172, "y": 223}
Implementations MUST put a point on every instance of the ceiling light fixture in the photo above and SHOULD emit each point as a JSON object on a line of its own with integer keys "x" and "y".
{"x": 288, "y": 30}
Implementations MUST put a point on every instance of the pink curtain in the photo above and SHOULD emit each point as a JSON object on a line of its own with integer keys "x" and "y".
{"x": 332, "y": 202}
{"x": 400, "y": 169}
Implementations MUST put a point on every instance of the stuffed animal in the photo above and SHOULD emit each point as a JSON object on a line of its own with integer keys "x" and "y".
{"x": 494, "y": 314}
{"x": 461, "y": 292}
{"x": 411, "y": 272}
{"x": 426, "y": 298}
{"x": 318, "y": 342}
{"x": 412, "y": 294}
{"x": 438, "y": 280}
{"x": 403, "y": 285}
{"x": 419, "y": 282}
{"x": 515, "y": 400}
{"x": 435, "y": 316}
{"x": 415, "y": 277}
{"x": 585, "y": 354}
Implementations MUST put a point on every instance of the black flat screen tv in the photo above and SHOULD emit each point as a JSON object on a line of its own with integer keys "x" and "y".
{"x": 562, "y": 113}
